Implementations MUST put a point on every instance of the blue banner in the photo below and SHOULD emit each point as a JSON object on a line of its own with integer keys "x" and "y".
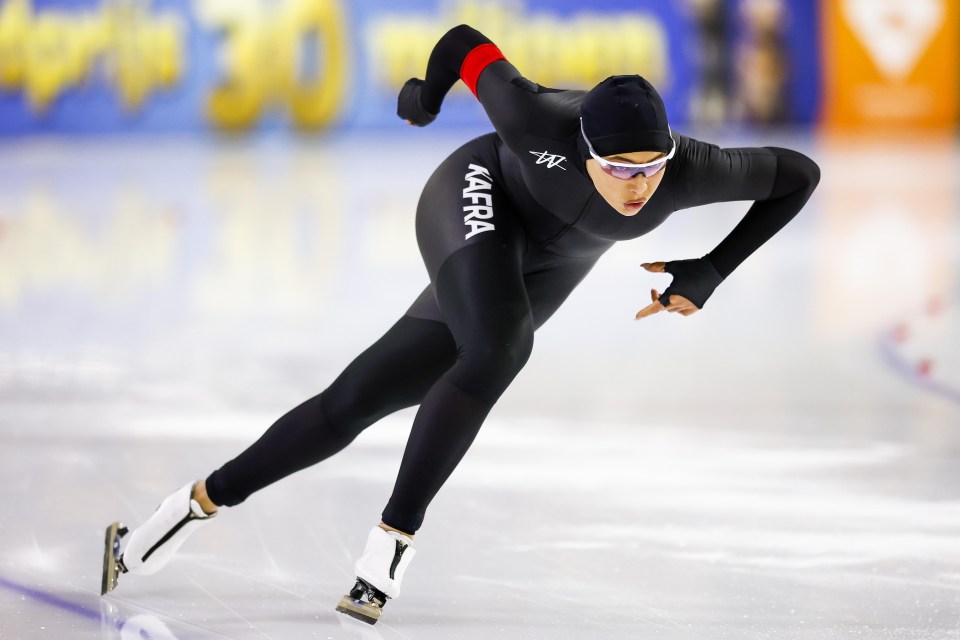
{"x": 95, "y": 66}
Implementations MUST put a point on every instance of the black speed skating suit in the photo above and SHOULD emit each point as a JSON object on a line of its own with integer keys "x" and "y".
{"x": 507, "y": 225}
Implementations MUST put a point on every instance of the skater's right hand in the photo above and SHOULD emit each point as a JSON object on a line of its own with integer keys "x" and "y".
{"x": 677, "y": 303}
{"x": 409, "y": 106}
{"x": 694, "y": 281}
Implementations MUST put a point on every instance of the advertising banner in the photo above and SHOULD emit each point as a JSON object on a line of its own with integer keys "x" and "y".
{"x": 93, "y": 66}
{"x": 891, "y": 63}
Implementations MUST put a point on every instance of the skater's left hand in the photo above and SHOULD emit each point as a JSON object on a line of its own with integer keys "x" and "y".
{"x": 697, "y": 279}
{"x": 678, "y": 304}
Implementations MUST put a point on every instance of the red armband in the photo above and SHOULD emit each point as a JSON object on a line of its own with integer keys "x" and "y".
{"x": 476, "y": 61}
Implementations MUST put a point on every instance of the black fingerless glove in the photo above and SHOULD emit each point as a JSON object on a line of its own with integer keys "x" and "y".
{"x": 409, "y": 106}
{"x": 693, "y": 279}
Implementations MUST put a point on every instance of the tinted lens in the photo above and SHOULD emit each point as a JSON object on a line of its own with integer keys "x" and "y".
{"x": 622, "y": 173}
{"x": 653, "y": 169}
{"x": 627, "y": 173}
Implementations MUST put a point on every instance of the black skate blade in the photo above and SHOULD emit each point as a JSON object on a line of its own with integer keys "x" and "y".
{"x": 111, "y": 571}
{"x": 363, "y": 611}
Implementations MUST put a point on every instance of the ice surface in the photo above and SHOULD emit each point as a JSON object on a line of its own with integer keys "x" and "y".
{"x": 771, "y": 467}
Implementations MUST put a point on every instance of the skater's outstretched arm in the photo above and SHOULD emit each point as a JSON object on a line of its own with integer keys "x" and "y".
{"x": 465, "y": 53}
{"x": 779, "y": 181}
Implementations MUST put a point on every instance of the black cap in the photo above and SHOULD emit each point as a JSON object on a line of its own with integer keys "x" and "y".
{"x": 623, "y": 114}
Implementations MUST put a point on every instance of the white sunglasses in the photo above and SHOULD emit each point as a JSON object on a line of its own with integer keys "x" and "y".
{"x": 626, "y": 170}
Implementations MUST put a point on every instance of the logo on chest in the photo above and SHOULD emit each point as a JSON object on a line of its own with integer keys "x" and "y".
{"x": 550, "y": 159}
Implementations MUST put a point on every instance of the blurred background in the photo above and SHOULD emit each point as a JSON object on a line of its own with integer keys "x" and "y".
{"x": 107, "y": 66}
{"x": 206, "y": 211}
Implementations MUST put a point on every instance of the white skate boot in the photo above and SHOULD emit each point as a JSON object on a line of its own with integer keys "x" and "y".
{"x": 379, "y": 572}
{"x": 154, "y": 542}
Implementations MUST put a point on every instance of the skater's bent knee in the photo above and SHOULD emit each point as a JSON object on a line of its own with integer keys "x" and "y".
{"x": 486, "y": 367}
{"x": 498, "y": 360}
{"x": 795, "y": 173}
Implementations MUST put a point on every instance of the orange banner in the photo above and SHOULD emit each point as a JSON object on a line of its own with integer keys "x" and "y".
{"x": 891, "y": 62}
